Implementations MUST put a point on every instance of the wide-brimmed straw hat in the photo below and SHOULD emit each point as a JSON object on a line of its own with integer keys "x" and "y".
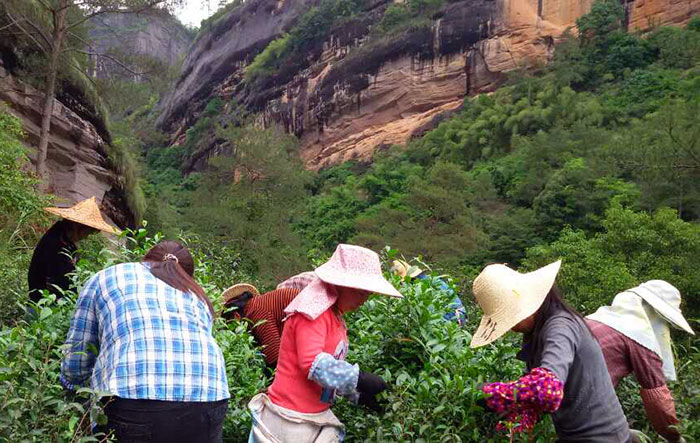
{"x": 86, "y": 213}
{"x": 403, "y": 268}
{"x": 508, "y": 297}
{"x": 235, "y": 291}
{"x": 666, "y": 300}
{"x": 356, "y": 267}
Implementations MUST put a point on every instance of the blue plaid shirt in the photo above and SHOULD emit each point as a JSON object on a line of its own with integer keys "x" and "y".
{"x": 137, "y": 337}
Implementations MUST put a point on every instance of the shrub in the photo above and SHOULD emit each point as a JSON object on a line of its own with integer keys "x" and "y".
{"x": 33, "y": 405}
{"x": 634, "y": 247}
{"x": 411, "y": 14}
{"x": 289, "y": 53}
{"x": 432, "y": 373}
{"x": 20, "y": 209}
{"x": 17, "y": 193}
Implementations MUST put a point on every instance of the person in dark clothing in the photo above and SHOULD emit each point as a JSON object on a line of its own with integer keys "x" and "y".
{"x": 53, "y": 261}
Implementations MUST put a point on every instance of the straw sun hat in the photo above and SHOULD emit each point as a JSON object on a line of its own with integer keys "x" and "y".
{"x": 508, "y": 297}
{"x": 350, "y": 266}
{"x": 403, "y": 268}
{"x": 235, "y": 291}
{"x": 86, "y": 213}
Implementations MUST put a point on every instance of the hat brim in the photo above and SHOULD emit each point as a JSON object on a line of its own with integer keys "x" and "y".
{"x": 235, "y": 291}
{"x": 67, "y": 214}
{"x": 376, "y": 285}
{"x": 665, "y": 310}
{"x": 492, "y": 327}
{"x": 416, "y": 271}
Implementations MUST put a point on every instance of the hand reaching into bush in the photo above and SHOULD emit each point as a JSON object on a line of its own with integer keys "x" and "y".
{"x": 369, "y": 386}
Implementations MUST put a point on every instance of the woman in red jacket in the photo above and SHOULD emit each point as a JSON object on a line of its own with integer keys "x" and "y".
{"x": 311, "y": 368}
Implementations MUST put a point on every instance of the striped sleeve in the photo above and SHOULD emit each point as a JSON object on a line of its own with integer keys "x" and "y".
{"x": 266, "y": 312}
{"x": 661, "y": 411}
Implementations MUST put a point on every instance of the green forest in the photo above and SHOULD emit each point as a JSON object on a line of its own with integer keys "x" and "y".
{"x": 593, "y": 158}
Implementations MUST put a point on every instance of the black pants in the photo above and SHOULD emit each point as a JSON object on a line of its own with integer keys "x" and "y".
{"x": 154, "y": 421}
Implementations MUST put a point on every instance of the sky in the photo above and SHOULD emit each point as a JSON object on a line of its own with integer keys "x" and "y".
{"x": 193, "y": 12}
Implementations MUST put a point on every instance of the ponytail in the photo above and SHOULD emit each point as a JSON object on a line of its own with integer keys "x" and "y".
{"x": 173, "y": 264}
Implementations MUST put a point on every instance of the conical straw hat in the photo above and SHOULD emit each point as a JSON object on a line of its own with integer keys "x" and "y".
{"x": 508, "y": 297}
{"x": 235, "y": 291}
{"x": 86, "y": 213}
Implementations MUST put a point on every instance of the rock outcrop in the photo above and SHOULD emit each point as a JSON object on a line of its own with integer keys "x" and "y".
{"x": 77, "y": 162}
{"x": 361, "y": 93}
{"x": 645, "y": 14}
{"x": 152, "y": 34}
{"x": 223, "y": 51}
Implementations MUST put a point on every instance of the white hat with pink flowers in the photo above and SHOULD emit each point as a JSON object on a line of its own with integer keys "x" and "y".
{"x": 356, "y": 267}
{"x": 350, "y": 266}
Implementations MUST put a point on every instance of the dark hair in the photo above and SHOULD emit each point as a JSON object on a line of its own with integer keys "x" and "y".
{"x": 66, "y": 226}
{"x": 553, "y": 303}
{"x": 172, "y": 263}
{"x": 234, "y": 308}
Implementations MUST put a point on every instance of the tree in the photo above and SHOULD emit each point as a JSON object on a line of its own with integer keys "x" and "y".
{"x": 247, "y": 201}
{"x": 605, "y": 17}
{"x": 632, "y": 248}
{"x": 51, "y": 25}
{"x": 662, "y": 152}
{"x": 435, "y": 216}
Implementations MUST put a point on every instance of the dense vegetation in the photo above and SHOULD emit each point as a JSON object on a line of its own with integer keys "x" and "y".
{"x": 593, "y": 159}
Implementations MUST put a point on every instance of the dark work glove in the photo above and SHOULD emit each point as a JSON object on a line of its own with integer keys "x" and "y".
{"x": 369, "y": 385}
{"x": 370, "y": 402}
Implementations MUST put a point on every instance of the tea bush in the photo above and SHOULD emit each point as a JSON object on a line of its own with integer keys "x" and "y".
{"x": 433, "y": 374}
{"x": 34, "y": 406}
{"x": 20, "y": 208}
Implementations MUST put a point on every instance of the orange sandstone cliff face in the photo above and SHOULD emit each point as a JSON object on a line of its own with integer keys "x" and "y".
{"x": 78, "y": 165}
{"x": 646, "y": 14}
{"x": 361, "y": 94}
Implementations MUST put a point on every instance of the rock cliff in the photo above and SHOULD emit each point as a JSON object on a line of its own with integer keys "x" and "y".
{"x": 360, "y": 93}
{"x": 77, "y": 161}
{"x": 223, "y": 51}
{"x": 153, "y": 34}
